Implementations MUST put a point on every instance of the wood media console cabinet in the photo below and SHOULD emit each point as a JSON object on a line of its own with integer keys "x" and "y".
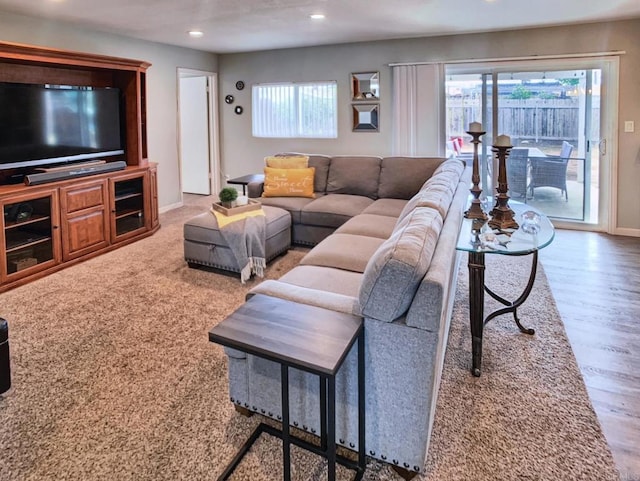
{"x": 50, "y": 226}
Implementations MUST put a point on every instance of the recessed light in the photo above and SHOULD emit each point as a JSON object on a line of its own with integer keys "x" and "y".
{"x": 196, "y": 33}
{"x": 317, "y": 16}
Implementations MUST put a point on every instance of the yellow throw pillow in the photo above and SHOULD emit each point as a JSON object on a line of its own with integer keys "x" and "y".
{"x": 287, "y": 161}
{"x": 288, "y": 182}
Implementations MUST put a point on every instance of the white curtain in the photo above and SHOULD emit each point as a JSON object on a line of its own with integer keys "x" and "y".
{"x": 418, "y": 116}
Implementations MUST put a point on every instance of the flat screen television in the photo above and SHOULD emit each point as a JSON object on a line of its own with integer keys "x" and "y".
{"x": 56, "y": 124}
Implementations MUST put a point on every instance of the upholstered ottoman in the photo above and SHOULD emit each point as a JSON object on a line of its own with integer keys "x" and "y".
{"x": 205, "y": 246}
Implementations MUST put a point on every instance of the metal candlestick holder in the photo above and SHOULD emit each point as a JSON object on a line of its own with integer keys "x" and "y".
{"x": 502, "y": 215}
{"x": 475, "y": 211}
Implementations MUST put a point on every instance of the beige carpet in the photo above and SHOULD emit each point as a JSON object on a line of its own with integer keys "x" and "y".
{"x": 114, "y": 379}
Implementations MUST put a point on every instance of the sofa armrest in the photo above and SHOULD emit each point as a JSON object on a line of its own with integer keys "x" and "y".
{"x": 254, "y": 189}
{"x": 305, "y": 295}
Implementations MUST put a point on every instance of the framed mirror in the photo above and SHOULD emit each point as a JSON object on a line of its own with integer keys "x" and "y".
{"x": 365, "y": 86}
{"x": 365, "y": 117}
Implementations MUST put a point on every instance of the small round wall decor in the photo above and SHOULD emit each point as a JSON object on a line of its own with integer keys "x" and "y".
{"x": 239, "y": 84}
{"x": 238, "y": 110}
{"x": 229, "y": 99}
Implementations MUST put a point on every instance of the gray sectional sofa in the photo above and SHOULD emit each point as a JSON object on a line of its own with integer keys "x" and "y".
{"x": 384, "y": 231}
{"x": 346, "y": 186}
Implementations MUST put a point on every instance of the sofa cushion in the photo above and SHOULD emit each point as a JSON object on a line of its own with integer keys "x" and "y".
{"x": 388, "y": 207}
{"x": 343, "y": 251}
{"x": 333, "y": 210}
{"x": 288, "y": 182}
{"x": 447, "y": 179}
{"x": 371, "y": 225}
{"x": 432, "y": 296}
{"x": 292, "y": 204}
{"x": 394, "y": 272}
{"x": 402, "y": 177}
{"x": 354, "y": 175}
{"x": 438, "y": 190}
{"x": 328, "y": 279}
{"x": 438, "y": 196}
{"x": 287, "y": 161}
{"x": 451, "y": 165}
{"x": 306, "y": 295}
{"x": 321, "y": 164}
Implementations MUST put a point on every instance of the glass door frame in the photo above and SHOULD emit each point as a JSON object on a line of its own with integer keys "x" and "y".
{"x": 609, "y": 66}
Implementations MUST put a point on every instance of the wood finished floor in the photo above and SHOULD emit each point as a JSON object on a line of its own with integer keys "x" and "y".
{"x": 595, "y": 279}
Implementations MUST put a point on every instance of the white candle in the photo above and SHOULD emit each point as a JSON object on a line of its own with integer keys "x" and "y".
{"x": 503, "y": 141}
{"x": 475, "y": 127}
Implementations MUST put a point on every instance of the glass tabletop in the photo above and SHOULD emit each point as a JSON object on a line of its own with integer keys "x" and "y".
{"x": 535, "y": 232}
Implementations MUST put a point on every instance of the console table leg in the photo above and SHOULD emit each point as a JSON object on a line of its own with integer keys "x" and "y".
{"x": 286, "y": 441}
{"x": 362, "y": 462}
{"x": 323, "y": 413}
{"x": 513, "y": 306}
{"x": 331, "y": 429}
{"x": 476, "y": 308}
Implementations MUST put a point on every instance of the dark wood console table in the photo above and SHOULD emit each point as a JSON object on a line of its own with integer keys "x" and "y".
{"x": 246, "y": 180}
{"x": 518, "y": 244}
{"x": 308, "y": 338}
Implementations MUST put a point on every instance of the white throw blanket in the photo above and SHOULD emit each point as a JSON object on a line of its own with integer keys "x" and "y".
{"x": 245, "y": 237}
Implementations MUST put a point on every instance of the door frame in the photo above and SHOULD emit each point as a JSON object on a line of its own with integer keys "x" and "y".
{"x": 609, "y": 65}
{"x": 215, "y": 174}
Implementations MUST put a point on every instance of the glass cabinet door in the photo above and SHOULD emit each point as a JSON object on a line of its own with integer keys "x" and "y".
{"x": 129, "y": 205}
{"x": 30, "y": 234}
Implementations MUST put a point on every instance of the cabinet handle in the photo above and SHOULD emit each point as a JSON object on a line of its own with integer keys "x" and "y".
{"x": 55, "y": 226}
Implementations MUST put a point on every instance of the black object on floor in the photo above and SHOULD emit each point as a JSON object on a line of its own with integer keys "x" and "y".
{"x": 5, "y": 367}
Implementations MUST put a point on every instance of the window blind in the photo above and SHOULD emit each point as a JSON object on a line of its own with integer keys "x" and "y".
{"x": 289, "y": 110}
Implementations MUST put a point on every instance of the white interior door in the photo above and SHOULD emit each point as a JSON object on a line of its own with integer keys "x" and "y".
{"x": 194, "y": 135}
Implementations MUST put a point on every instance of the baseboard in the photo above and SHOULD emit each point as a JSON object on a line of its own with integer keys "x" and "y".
{"x": 627, "y": 232}
{"x": 169, "y": 207}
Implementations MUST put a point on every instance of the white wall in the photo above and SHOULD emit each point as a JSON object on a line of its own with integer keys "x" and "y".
{"x": 243, "y": 154}
{"x": 162, "y": 81}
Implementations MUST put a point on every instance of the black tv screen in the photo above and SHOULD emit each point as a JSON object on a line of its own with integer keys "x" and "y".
{"x": 53, "y": 124}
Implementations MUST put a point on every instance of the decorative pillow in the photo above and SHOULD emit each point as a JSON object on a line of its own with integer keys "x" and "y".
{"x": 287, "y": 161}
{"x": 288, "y": 182}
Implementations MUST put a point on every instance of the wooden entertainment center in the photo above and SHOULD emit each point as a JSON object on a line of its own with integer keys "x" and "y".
{"x": 53, "y": 225}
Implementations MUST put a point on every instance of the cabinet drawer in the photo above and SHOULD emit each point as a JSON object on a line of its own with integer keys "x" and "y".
{"x": 83, "y": 197}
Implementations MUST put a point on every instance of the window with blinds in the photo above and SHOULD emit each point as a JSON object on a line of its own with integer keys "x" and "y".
{"x": 287, "y": 110}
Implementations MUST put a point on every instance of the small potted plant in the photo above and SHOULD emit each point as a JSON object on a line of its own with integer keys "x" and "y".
{"x": 228, "y": 196}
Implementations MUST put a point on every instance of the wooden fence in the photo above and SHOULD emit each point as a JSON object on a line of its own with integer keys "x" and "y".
{"x": 536, "y": 119}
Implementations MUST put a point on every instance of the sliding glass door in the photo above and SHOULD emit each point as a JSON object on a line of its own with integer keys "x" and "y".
{"x": 558, "y": 124}
{"x": 469, "y": 99}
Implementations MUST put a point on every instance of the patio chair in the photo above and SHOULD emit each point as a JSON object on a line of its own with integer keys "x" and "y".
{"x": 551, "y": 171}
{"x": 517, "y": 173}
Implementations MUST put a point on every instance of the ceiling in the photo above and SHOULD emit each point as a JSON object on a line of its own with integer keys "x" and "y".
{"x": 248, "y": 25}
